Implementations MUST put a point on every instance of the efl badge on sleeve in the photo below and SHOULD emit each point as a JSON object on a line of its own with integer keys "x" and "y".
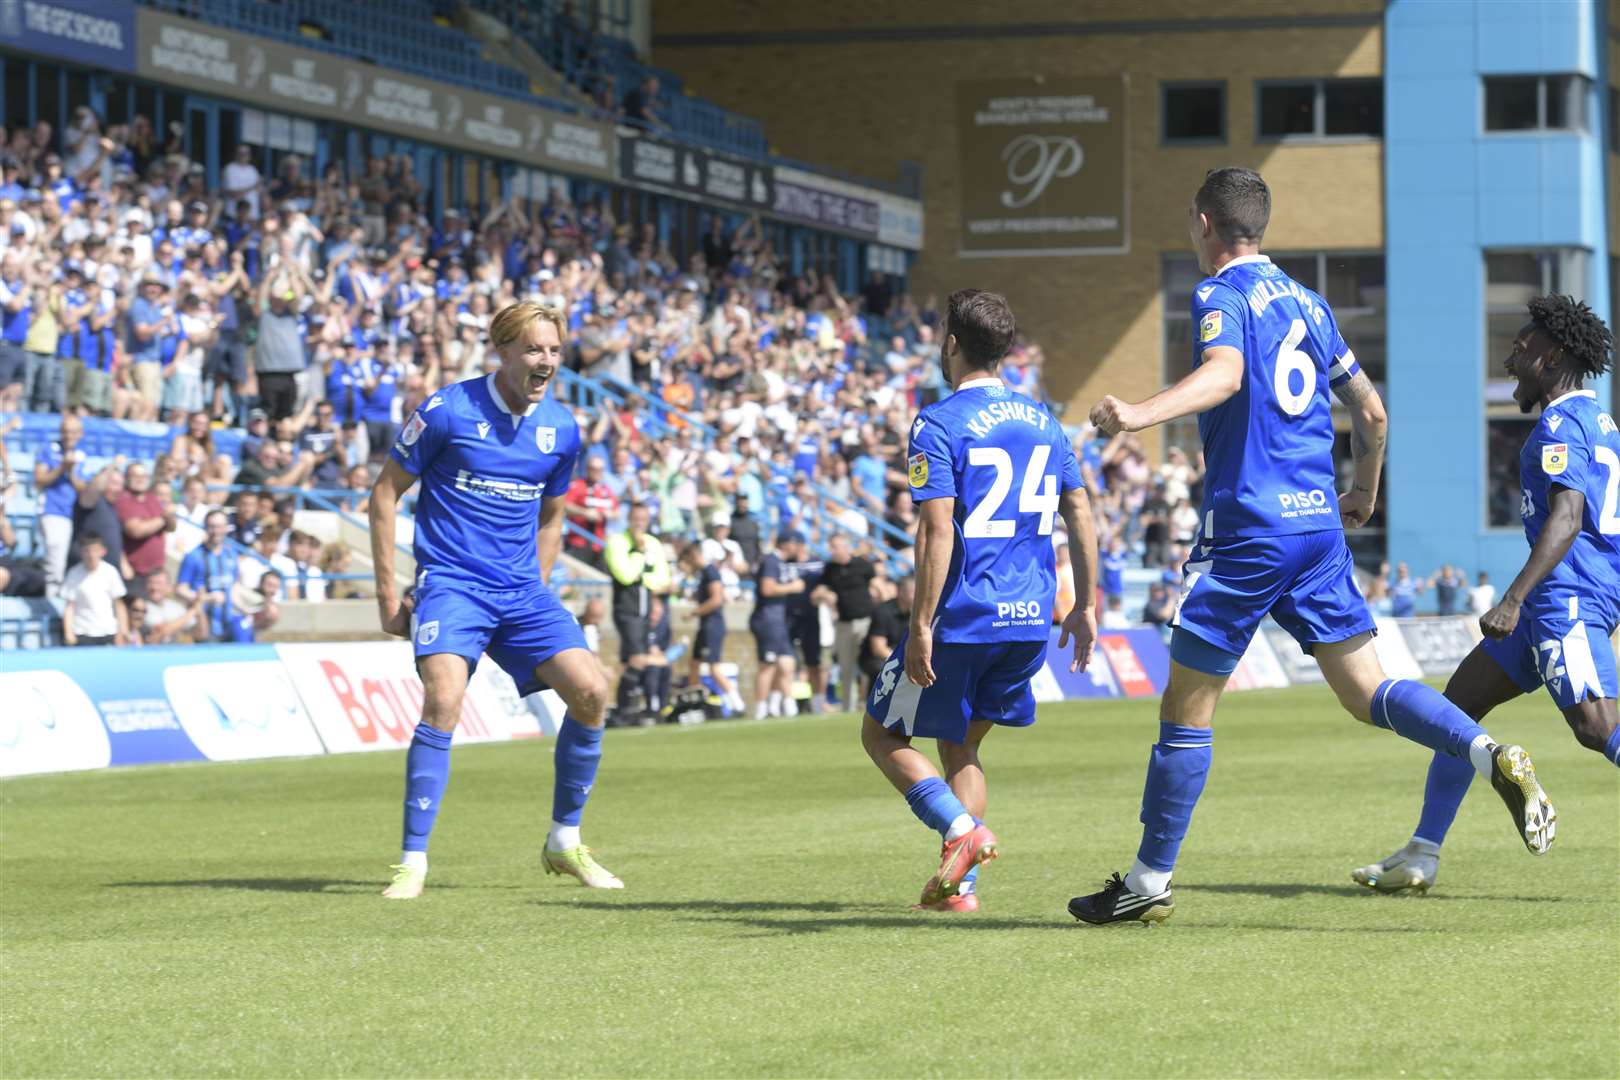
{"x": 1555, "y": 458}
{"x": 413, "y": 430}
{"x": 919, "y": 469}
{"x": 1210, "y": 328}
{"x": 546, "y": 439}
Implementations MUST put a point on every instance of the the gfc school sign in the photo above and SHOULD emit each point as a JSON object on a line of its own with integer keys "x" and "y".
{"x": 1043, "y": 166}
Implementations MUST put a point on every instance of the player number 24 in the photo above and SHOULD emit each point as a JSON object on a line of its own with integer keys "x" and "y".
{"x": 1037, "y": 494}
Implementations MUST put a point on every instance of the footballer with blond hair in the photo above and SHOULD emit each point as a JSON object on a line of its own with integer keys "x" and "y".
{"x": 494, "y": 456}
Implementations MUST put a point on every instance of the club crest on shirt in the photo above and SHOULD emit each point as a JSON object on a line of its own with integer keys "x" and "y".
{"x": 1210, "y": 327}
{"x": 918, "y": 470}
{"x": 546, "y": 439}
{"x": 1555, "y": 458}
{"x": 413, "y": 430}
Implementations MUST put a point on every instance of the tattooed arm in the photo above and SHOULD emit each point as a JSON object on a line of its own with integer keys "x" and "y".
{"x": 1369, "y": 429}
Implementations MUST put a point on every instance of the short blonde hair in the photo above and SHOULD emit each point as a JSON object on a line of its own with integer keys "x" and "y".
{"x": 513, "y": 319}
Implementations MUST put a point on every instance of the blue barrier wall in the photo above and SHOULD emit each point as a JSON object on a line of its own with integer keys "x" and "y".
{"x": 1452, "y": 192}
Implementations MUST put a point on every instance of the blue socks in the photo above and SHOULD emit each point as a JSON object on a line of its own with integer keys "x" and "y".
{"x": 579, "y": 751}
{"x": 427, "y": 771}
{"x": 1611, "y": 749}
{"x": 1177, "y": 769}
{"x": 934, "y": 804}
{"x": 1423, "y": 715}
{"x": 1448, "y": 782}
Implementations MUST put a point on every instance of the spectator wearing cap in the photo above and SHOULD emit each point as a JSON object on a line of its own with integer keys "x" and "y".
{"x": 16, "y": 314}
{"x": 721, "y": 551}
{"x": 149, "y": 324}
{"x": 279, "y": 355}
{"x": 258, "y": 431}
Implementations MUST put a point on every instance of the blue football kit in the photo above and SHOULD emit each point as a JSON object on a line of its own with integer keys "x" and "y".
{"x": 1269, "y": 539}
{"x": 1004, "y": 459}
{"x": 712, "y": 627}
{"x": 769, "y": 622}
{"x": 484, "y": 471}
{"x": 1562, "y": 640}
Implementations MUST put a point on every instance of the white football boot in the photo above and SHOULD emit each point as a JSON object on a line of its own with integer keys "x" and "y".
{"x": 1415, "y": 866}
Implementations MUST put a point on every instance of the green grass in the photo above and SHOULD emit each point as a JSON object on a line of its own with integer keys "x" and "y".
{"x": 224, "y": 919}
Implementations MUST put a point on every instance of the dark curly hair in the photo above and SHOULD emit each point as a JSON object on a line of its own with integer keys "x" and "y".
{"x": 1586, "y": 341}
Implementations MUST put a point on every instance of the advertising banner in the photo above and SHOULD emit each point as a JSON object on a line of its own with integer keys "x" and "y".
{"x": 1439, "y": 645}
{"x": 99, "y": 35}
{"x": 1297, "y": 667}
{"x": 367, "y": 696}
{"x": 88, "y": 708}
{"x": 269, "y": 74}
{"x": 1139, "y": 660}
{"x": 648, "y": 161}
{"x": 48, "y": 725}
{"x": 1056, "y": 682}
{"x": 1392, "y": 651}
{"x": 1043, "y": 166}
{"x": 1259, "y": 669}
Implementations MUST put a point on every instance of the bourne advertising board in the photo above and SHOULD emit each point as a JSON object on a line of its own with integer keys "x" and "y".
{"x": 1043, "y": 166}
{"x": 269, "y": 74}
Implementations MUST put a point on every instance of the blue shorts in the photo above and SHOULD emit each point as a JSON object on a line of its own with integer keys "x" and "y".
{"x": 1558, "y": 646}
{"x": 711, "y": 640}
{"x": 519, "y": 628}
{"x": 1306, "y": 581}
{"x": 987, "y": 681}
{"x": 771, "y": 639}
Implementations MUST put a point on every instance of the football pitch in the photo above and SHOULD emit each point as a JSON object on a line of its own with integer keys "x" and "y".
{"x": 224, "y": 919}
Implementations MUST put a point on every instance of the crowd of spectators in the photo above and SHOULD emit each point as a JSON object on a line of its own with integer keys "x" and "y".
{"x": 313, "y": 313}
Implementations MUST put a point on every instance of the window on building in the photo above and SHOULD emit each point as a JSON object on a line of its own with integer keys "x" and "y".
{"x": 1512, "y": 278}
{"x": 1535, "y": 102}
{"x": 1321, "y": 109}
{"x": 1194, "y": 113}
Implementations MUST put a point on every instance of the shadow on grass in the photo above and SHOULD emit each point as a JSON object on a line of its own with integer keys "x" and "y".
{"x": 1294, "y": 890}
{"x": 288, "y": 885}
{"x": 720, "y": 907}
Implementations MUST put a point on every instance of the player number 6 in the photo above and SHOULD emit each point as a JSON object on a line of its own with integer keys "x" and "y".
{"x": 1290, "y": 360}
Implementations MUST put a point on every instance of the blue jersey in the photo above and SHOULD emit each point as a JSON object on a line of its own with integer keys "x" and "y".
{"x": 1269, "y": 447}
{"x": 1113, "y": 573}
{"x": 484, "y": 470}
{"x": 1575, "y": 445}
{"x": 1004, "y": 459}
{"x": 773, "y": 608}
